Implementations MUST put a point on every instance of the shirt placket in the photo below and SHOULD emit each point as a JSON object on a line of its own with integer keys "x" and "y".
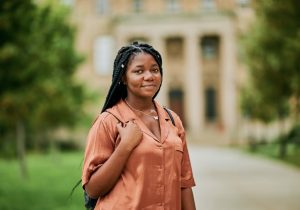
{"x": 161, "y": 180}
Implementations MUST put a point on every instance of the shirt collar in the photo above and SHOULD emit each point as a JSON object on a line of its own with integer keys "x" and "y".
{"x": 126, "y": 114}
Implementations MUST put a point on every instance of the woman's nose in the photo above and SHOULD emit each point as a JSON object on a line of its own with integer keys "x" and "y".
{"x": 148, "y": 75}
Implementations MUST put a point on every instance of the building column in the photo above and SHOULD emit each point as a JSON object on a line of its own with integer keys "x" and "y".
{"x": 228, "y": 82}
{"x": 193, "y": 86}
{"x": 159, "y": 44}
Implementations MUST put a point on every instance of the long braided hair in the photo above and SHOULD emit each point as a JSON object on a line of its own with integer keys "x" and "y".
{"x": 117, "y": 89}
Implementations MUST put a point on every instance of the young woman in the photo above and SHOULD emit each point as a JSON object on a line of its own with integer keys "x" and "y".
{"x": 135, "y": 158}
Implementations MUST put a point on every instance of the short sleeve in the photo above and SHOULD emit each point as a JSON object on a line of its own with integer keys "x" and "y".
{"x": 99, "y": 147}
{"x": 187, "y": 179}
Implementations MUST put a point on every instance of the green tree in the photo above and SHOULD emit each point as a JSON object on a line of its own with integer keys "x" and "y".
{"x": 37, "y": 64}
{"x": 272, "y": 50}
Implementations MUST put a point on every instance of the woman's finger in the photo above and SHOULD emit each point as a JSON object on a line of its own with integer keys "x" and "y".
{"x": 119, "y": 126}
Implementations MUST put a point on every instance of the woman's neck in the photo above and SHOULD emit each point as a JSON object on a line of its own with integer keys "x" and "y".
{"x": 141, "y": 104}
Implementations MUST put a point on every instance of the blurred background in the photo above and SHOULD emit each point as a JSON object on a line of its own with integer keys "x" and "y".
{"x": 231, "y": 72}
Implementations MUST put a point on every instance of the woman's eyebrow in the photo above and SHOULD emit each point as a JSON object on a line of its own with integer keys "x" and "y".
{"x": 139, "y": 65}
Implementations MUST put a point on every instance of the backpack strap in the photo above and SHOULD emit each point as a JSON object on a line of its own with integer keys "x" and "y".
{"x": 170, "y": 115}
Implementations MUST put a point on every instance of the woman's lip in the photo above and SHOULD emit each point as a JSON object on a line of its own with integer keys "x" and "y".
{"x": 148, "y": 85}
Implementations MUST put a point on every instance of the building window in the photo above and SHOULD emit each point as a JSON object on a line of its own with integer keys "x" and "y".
{"x": 103, "y": 55}
{"x": 208, "y": 4}
{"x": 210, "y": 47}
{"x": 102, "y": 7}
{"x": 210, "y": 104}
{"x": 175, "y": 47}
{"x": 137, "y": 5}
{"x": 173, "y": 5}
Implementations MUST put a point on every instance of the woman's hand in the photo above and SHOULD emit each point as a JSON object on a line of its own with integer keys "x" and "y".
{"x": 131, "y": 135}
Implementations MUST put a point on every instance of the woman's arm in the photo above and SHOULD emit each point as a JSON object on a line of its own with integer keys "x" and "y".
{"x": 108, "y": 174}
{"x": 187, "y": 199}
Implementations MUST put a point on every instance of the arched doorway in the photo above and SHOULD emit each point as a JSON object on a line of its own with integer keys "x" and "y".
{"x": 176, "y": 99}
{"x": 210, "y": 105}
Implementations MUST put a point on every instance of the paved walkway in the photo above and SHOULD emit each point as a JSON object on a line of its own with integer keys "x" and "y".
{"x": 231, "y": 180}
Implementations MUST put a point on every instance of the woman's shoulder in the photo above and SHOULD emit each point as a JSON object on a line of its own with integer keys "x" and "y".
{"x": 104, "y": 118}
{"x": 176, "y": 120}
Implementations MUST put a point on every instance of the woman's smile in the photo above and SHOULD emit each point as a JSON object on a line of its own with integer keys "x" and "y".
{"x": 150, "y": 85}
{"x": 143, "y": 76}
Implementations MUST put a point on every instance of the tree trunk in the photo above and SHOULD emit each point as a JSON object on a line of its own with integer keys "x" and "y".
{"x": 20, "y": 133}
{"x": 283, "y": 144}
{"x": 282, "y": 149}
{"x": 297, "y": 109}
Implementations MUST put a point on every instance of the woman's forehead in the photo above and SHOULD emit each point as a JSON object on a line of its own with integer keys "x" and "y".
{"x": 141, "y": 57}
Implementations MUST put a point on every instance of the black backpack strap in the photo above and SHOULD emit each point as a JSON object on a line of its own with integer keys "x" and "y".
{"x": 170, "y": 115}
{"x": 89, "y": 202}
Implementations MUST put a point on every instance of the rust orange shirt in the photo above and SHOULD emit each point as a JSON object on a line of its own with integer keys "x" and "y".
{"x": 156, "y": 170}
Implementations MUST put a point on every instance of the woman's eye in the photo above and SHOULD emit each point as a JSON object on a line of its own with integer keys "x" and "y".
{"x": 138, "y": 71}
{"x": 155, "y": 70}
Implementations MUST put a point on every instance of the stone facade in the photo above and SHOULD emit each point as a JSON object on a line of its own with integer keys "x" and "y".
{"x": 198, "y": 42}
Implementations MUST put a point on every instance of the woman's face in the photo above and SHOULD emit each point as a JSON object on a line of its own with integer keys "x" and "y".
{"x": 143, "y": 77}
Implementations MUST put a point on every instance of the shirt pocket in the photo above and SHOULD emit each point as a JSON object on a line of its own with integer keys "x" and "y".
{"x": 178, "y": 148}
{"x": 178, "y": 157}
{"x": 178, "y": 145}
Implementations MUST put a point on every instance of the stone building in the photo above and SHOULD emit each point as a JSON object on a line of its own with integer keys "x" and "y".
{"x": 198, "y": 40}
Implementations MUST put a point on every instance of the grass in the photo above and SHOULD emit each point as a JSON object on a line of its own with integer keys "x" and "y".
{"x": 51, "y": 178}
{"x": 271, "y": 150}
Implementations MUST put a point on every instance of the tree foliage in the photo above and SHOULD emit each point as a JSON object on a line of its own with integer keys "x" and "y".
{"x": 272, "y": 51}
{"x": 37, "y": 66}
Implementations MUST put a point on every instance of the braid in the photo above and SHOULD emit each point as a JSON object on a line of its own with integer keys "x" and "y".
{"x": 117, "y": 89}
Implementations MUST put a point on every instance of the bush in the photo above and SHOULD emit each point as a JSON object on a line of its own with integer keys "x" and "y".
{"x": 67, "y": 145}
